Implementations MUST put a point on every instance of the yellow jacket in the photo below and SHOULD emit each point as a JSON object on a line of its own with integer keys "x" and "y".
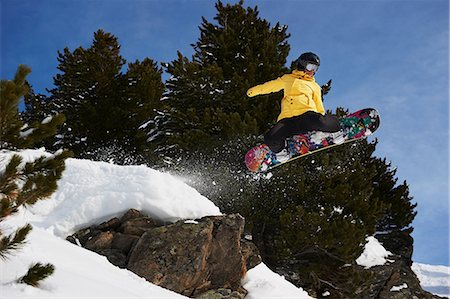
{"x": 301, "y": 94}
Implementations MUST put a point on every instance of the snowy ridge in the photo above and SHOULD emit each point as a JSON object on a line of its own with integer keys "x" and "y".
{"x": 434, "y": 279}
{"x": 90, "y": 192}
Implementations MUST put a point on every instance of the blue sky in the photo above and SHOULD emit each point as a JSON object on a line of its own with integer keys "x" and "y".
{"x": 390, "y": 55}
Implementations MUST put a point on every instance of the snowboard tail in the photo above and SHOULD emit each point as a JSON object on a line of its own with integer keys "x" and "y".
{"x": 354, "y": 126}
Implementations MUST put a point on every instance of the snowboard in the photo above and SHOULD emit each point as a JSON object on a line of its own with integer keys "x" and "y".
{"x": 355, "y": 126}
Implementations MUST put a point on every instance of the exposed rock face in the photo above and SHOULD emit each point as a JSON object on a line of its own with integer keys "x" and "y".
{"x": 207, "y": 258}
{"x": 116, "y": 237}
{"x": 192, "y": 258}
{"x": 195, "y": 258}
{"x": 396, "y": 280}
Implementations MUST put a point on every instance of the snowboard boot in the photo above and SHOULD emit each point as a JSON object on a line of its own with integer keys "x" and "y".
{"x": 282, "y": 156}
{"x": 338, "y": 137}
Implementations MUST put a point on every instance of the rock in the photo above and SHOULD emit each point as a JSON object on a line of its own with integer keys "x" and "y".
{"x": 222, "y": 294}
{"x": 123, "y": 242}
{"x": 100, "y": 241}
{"x": 131, "y": 214}
{"x": 205, "y": 258}
{"x": 115, "y": 257}
{"x": 250, "y": 253}
{"x": 82, "y": 236}
{"x": 396, "y": 280}
{"x": 227, "y": 265}
{"x": 134, "y": 222}
{"x": 111, "y": 224}
{"x": 191, "y": 259}
{"x": 136, "y": 226}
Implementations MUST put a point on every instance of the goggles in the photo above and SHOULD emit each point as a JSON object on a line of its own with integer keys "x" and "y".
{"x": 311, "y": 67}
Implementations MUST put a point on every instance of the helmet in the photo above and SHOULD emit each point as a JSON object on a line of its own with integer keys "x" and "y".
{"x": 307, "y": 58}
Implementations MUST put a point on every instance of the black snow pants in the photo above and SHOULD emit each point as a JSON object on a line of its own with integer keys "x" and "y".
{"x": 287, "y": 127}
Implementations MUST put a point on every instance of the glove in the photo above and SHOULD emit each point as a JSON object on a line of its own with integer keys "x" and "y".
{"x": 326, "y": 88}
{"x": 250, "y": 93}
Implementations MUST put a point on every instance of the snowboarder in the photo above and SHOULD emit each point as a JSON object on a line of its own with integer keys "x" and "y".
{"x": 301, "y": 107}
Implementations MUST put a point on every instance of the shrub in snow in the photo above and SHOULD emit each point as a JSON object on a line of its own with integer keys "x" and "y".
{"x": 24, "y": 182}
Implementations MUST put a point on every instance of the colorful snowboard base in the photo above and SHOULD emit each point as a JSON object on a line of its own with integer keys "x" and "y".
{"x": 354, "y": 127}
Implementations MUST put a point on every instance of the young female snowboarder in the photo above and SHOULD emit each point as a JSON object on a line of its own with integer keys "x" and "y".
{"x": 301, "y": 107}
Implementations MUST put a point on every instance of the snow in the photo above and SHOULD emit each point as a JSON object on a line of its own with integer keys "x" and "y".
{"x": 79, "y": 273}
{"x": 262, "y": 283}
{"x": 91, "y": 192}
{"x": 434, "y": 279}
{"x": 47, "y": 120}
{"x": 25, "y": 134}
{"x": 399, "y": 288}
{"x": 374, "y": 254}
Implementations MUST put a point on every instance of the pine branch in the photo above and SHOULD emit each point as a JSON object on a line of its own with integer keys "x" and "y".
{"x": 10, "y": 243}
{"x": 319, "y": 281}
{"x": 36, "y": 273}
{"x": 316, "y": 250}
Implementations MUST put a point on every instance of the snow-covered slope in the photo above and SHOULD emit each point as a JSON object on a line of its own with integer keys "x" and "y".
{"x": 434, "y": 279}
{"x": 79, "y": 273}
{"x": 90, "y": 192}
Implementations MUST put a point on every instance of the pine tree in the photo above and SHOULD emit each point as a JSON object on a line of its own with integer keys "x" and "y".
{"x": 104, "y": 106}
{"x": 144, "y": 91}
{"x": 37, "y": 107}
{"x": 401, "y": 212}
{"x": 14, "y": 133}
{"x": 11, "y": 93}
{"x": 145, "y": 88}
{"x": 24, "y": 183}
{"x": 311, "y": 218}
{"x": 315, "y": 214}
{"x": 206, "y": 101}
{"x": 88, "y": 91}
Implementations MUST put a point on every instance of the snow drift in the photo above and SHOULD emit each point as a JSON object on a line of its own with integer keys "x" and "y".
{"x": 91, "y": 192}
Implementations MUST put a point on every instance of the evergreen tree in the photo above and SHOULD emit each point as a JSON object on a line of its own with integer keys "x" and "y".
{"x": 145, "y": 87}
{"x": 401, "y": 212}
{"x": 105, "y": 107}
{"x": 88, "y": 91}
{"x": 24, "y": 183}
{"x": 11, "y": 93}
{"x": 144, "y": 90}
{"x": 37, "y": 107}
{"x": 14, "y": 133}
{"x": 206, "y": 101}
{"x": 312, "y": 217}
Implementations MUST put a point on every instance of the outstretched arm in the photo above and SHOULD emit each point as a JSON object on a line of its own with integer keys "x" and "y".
{"x": 268, "y": 87}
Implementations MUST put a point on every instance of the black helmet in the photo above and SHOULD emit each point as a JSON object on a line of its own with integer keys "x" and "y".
{"x": 306, "y": 58}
